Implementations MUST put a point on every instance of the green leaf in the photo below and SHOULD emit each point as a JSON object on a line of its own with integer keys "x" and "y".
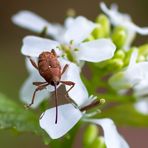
{"x": 126, "y": 115}
{"x": 13, "y": 116}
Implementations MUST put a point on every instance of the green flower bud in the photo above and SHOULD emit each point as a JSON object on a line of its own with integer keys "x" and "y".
{"x": 71, "y": 12}
{"x": 141, "y": 59}
{"x": 90, "y": 135}
{"x": 104, "y": 22}
{"x": 143, "y": 50}
{"x": 128, "y": 55}
{"x": 119, "y": 36}
{"x": 120, "y": 54}
{"x": 98, "y": 32}
{"x": 115, "y": 64}
{"x": 98, "y": 143}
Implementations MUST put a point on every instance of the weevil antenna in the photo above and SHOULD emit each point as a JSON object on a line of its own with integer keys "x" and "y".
{"x": 56, "y": 103}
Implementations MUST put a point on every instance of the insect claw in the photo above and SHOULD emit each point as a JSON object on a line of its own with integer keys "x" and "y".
{"x": 27, "y": 106}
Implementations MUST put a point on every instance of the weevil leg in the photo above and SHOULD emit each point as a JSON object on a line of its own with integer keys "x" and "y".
{"x": 39, "y": 83}
{"x": 64, "y": 69}
{"x": 39, "y": 88}
{"x": 33, "y": 63}
{"x": 70, "y": 83}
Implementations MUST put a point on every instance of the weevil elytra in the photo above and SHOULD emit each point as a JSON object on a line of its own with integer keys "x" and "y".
{"x": 49, "y": 68}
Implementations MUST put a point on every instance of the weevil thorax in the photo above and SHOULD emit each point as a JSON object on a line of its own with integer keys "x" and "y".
{"x": 49, "y": 67}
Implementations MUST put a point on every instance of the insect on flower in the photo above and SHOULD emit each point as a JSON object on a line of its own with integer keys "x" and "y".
{"x": 49, "y": 68}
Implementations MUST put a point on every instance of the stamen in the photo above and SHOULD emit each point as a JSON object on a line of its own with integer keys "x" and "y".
{"x": 94, "y": 104}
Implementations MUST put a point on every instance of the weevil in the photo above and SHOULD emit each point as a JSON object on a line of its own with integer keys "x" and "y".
{"x": 49, "y": 68}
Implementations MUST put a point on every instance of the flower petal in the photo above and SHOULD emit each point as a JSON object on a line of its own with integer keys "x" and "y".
{"x": 68, "y": 22}
{"x": 137, "y": 73}
{"x": 142, "y": 106}
{"x": 142, "y": 88}
{"x": 96, "y": 51}
{"x": 118, "y": 18}
{"x": 29, "y": 66}
{"x": 28, "y": 88}
{"x": 32, "y": 21}
{"x": 34, "y": 46}
{"x": 68, "y": 116}
{"x": 133, "y": 76}
{"x": 111, "y": 136}
{"x": 79, "y": 30}
{"x": 78, "y": 93}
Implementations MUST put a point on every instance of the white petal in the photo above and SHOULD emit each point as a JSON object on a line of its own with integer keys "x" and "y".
{"x": 34, "y": 46}
{"x": 79, "y": 30}
{"x": 78, "y": 93}
{"x": 32, "y": 21}
{"x": 68, "y": 22}
{"x": 115, "y": 17}
{"x": 142, "y": 106}
{"x": 96, "y": 51}
{"x": 131, "y": 26}
{"x": 29, "y": 20}
{"x": 29, "y": 66}
{"x": 137, "y": 73}
{"x": 118, "y": 18}
{"x": 28, "y": 88}
{"x": 111, "y": 136}
{"x": 68, "y": 116}
{"x": 130, "y": 38}
{"x": 131, "y": 77}
{"x": 133, "y": 59}
{"x": 142, "y": 88}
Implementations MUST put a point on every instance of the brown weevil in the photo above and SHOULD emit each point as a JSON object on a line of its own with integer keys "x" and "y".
{"x": 49, "y": 68}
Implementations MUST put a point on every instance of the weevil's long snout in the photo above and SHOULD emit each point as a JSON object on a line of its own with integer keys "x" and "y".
{"x": 56, "y": 103}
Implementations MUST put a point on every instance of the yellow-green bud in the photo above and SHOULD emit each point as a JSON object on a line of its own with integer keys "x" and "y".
{"x": 116, "y": 64}
{"x": 90, "y": 135}
{"x": 120, "y": 54}
{"x": 98, "y": 143}
{"x": 143, "y": 50}
{"x": 98, "y": 32}
{"x": 119, "y": 36}
{"x": 104, "y": 22}
{"x": 128, "y": 55}
{"x": 141, "y": 58}
{"x": 71, "y": 12}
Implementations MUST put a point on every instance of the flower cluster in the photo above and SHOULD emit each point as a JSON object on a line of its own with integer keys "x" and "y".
{"x": 78, "y": 41}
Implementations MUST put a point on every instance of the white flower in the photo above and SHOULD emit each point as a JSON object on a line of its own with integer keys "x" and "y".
{"x": 30, "y": 20}
{"x": 33, "y": 22}
{"x": 77, "y": 30}
{"x": 69, "y": 116}
{"x": 136, "y": 77}
{"x": 142, "y": 105}
{"x": 133, "y": 76}
{"x": 141, "y": 93}
{"x": 120, "y": 19}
